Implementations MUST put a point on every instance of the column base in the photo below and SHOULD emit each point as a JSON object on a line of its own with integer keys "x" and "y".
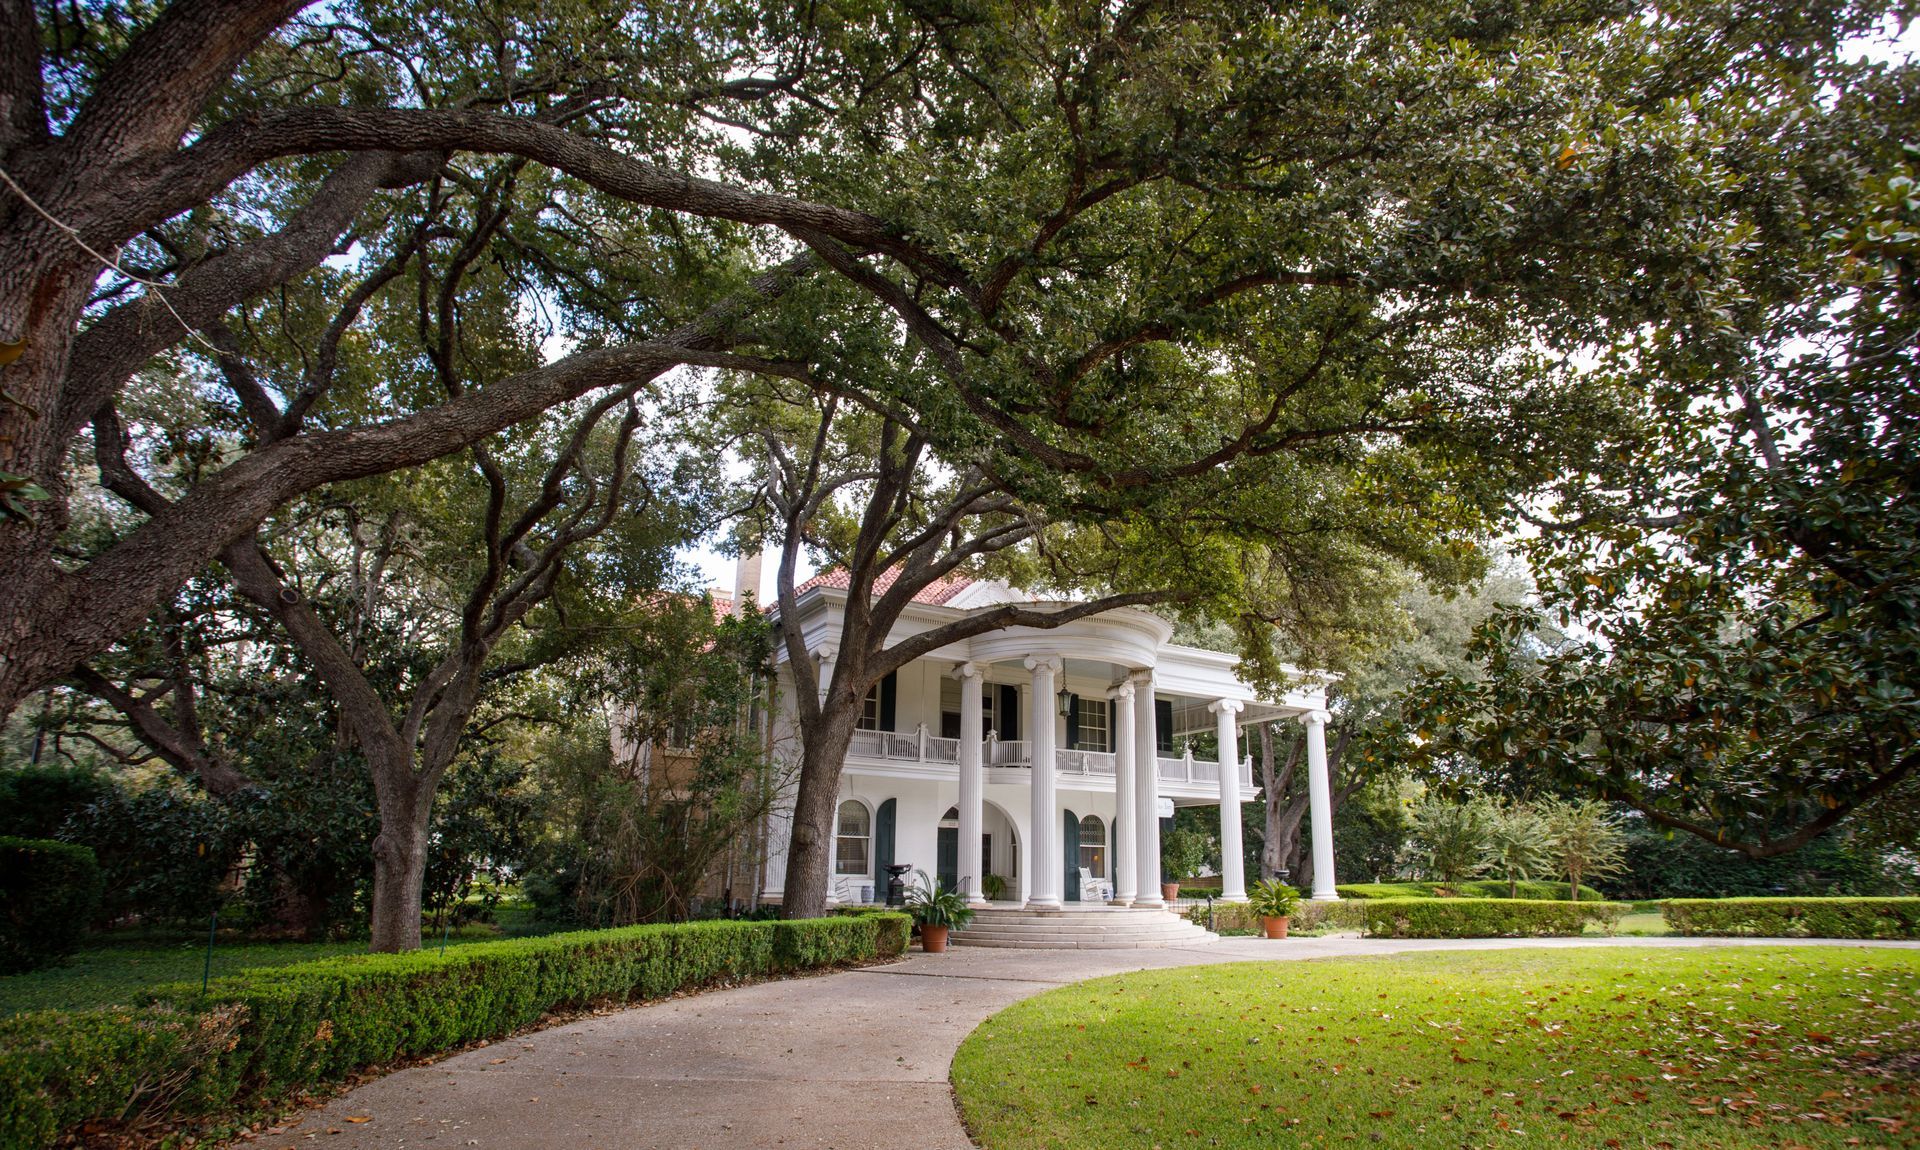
{"x": 1152, "y": 901}
{"x": 1327, "y": 896}
{"x": 1119, "y": 902}
{"x": 1231, "y": 898}
{"x": 1044, "y": 904}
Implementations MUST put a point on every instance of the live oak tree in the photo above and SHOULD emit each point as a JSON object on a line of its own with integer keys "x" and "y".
{"x": 1139, "y": 244}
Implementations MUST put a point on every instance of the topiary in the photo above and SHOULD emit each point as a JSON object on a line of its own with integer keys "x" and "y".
{"x": 49, "y": 892}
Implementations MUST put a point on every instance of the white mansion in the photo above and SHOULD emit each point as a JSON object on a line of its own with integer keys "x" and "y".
{"x": 1034, "y": 766}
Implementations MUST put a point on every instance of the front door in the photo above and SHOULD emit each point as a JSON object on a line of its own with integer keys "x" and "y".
{"x": 883, "y": 847}
{"x": 947, "y": 852}
{"x": 1072, "y": 839}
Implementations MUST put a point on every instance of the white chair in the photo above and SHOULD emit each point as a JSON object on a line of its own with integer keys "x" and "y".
{"x": 1094, "y": 889}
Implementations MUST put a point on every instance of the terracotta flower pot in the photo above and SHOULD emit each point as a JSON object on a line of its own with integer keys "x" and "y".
{"x": 1169, "y": 891}
{"x": 1276, "y": 927}
{"x": 933, "y": 939}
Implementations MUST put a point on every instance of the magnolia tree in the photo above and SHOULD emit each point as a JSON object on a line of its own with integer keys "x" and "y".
{"x": 1742, "y": 575}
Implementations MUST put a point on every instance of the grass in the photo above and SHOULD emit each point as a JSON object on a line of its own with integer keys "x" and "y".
{"x": 118, "y": 973}
{"x": 1648, "y": 1048}
{"x": 1642, "y": 923}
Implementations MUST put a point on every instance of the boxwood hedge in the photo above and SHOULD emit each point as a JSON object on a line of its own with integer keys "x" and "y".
{"x": 1477, "y": 888}
{"x": 49, "y": 892}
{"x": 262, "y": 1033}
{"x": 1795, "y": 917}
{"x": 1483, "y": 917}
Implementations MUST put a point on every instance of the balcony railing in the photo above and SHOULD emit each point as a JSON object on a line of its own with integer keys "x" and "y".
{"x": 920, "y": 747}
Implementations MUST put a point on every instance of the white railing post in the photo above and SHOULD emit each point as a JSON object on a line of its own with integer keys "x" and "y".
{"x": 921, "y": 734}
{"x": 1186, "y": 758}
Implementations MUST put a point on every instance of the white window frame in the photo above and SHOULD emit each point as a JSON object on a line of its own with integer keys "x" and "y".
{"x": 840, "y": 837}
{"x": 1094, "y": 736}
{"x": 1096, "y": 864}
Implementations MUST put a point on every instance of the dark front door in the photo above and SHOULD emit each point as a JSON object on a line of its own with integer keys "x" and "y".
{"x": 1072, "y": 839}
{"x": 948, "y": 861}
{"x": 883, "y": 847}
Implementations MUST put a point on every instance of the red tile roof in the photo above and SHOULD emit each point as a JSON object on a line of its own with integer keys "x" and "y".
{"x": 934, "y": 594}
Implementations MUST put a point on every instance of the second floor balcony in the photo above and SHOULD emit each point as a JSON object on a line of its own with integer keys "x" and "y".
{"x": 1011, "y": 760}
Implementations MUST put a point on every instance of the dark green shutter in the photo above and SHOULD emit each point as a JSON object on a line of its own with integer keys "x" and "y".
{"x": 1113, "y": 727}
{"x": 1009, "y": 712}
{"x": 1072, "y": 839}
{"x": 883, "y": 847}
{"x": 1073, "y": 721}
{"x": 947, "y": 858}
{"x": 889, "y": 697}
{"x": 1163, "y": 725}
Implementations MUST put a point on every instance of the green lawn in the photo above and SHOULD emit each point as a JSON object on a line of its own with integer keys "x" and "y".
{"x": 1645, "y": 1048}
{"x": 117, "y": 974}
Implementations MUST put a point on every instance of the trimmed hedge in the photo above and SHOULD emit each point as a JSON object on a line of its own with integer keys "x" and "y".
{"x": 1478, "y": 888}
{"x": 1483, "y": 917}
{"x": 262, "y": 1033}
{"x": 49, "y": 893}
{"x": 1795, "y": 917}
{"x": 1238, "y": 917}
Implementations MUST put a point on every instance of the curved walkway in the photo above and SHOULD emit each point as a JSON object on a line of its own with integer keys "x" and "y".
{"x": 854, "y": 1060}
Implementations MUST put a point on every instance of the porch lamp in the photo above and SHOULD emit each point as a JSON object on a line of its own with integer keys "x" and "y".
{"x": 1064, "y": 698}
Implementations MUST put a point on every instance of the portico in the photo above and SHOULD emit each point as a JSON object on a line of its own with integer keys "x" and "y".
{"x": 1033, "y": 767}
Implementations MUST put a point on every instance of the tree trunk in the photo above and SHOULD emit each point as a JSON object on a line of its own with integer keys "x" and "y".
{"x": 399, "y": 862}
{"x": 823, "y": 754}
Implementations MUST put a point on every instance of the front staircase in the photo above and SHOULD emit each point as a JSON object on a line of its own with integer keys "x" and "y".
{"x": 1079, "y": 927}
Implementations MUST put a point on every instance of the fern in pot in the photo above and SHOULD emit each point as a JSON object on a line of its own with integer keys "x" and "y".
{"x": 1274, "y": 901}
{"x": 936, "y": 910}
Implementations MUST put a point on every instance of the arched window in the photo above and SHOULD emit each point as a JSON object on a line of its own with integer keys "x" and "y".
{"x": 1093, "y": 846}
{"x": 853, "y": 849}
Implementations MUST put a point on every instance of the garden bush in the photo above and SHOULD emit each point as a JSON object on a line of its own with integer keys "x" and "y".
{"x": 1477, "y": 888}
{"x": 266, "y": 1032}
{"x": 1795, "y": 917}
{"x": 49, "y": 892}
{"x": 1238, "y": 917}
{"x": 1483, "y": 917}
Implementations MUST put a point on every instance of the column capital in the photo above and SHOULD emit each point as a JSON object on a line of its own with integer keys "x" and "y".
{"x": 1226, "y": 706}
{"x": 826, "y": 654}
{"x": 1144, "y": 676}
{"x": 1316, "y": 718}
{"x": 1123, "y": 691}
{"x": 1050, "y": 662}
{"x": 967, "y": 671}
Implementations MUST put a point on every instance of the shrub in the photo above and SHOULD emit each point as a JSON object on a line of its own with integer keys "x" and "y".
{"x": 1795, "y": 917}
{"x": 1307, "y": 917}
{"x": 1479, "y": 888}
{"x": 49, "y": 893}
{"x": 265, "y": 1032}
{"x": 1483, "y": 917}
{"x": 1663, "y": 865}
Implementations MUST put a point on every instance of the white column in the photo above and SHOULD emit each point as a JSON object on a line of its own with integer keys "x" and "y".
{"x": 971, "y": 782}
{"x": 1146, "y": 771}
{"x": 1233, "y": 865}
{"x": 1320, "y": 804}
{"x": 1046, "y": 881}
{"x": 825, "y": 673}
{"x": 1120, "y": 856}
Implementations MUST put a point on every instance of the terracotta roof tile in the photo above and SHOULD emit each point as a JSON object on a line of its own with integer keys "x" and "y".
{"x": 934, "y": 594}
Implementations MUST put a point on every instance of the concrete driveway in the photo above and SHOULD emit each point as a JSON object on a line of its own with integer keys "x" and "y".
{"x": 854, "y": 1060}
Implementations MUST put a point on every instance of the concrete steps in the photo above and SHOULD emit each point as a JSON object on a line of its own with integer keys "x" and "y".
{"x": 1079, "y": 928}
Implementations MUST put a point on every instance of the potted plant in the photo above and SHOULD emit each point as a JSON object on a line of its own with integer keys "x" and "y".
{"x": 936, "y": 910}
{"x": 1274, "y": 901}
{"x": 993, "y": 886}
{"x": 1182, "y": 853}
